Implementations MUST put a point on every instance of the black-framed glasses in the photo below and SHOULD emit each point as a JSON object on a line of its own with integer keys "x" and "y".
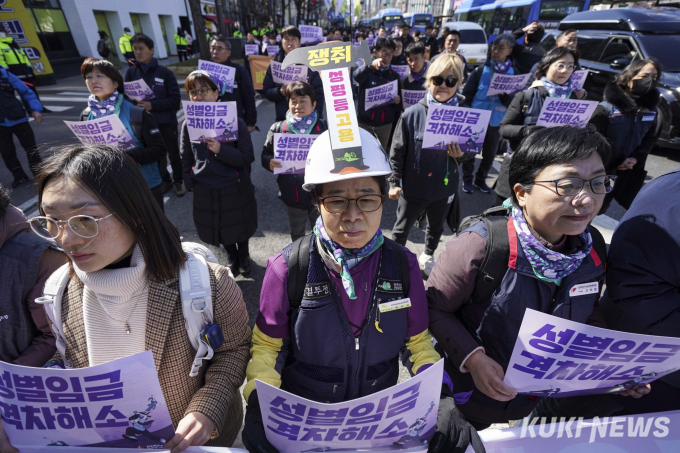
{"x": 450, "y": 82}
{"x": 84, "y": 226}
{"x": 365, "y": 203}
{"x": 569, "y": 187}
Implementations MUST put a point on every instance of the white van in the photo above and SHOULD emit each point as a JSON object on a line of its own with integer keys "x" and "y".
{"x": 473, "y": 43}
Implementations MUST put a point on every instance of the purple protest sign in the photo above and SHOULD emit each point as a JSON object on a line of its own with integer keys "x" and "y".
{"x": 291, "y": 150}
{"x": 139, "y": 90}
{"x": 566, "y": 112}
{"x": 501, "y": 83}
{"x": 218, "y": 120}
{"x": 411, "y": 97}
{"x": 402, "y": 70}
{"x": 222, "y": 74}
{"x": 292, "y": 73}
{"x": 578, "y": 78}
{"x": 555, "y": 357}
{"x": 310, "y": 34}
{"x": 403, "y": 417}
{"x": 272, "y": 50}
{"x": 252, "y": 49}
{"x": 116, "y": 404}
{"x": 382, "y": 95}
{"x": 456, "y": 124}
{"x": 108, "y": 130}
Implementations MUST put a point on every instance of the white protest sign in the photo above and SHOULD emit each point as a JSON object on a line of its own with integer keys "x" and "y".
{"x": 116, "y": 404}
{"x": 218, "y": 120}
{"x": 108, "y": 130}
{"x": 222, "y": 74}
{"x": 310, "y": 34}
{"x": 381, "y": 95}
{"x": 343, "y": 125}
{"x": 411, "y": 97}
{"x": 578, "y": 78}
{"x": 446, "y": 124}
{"x": 291, "y": 150}
{"x": 566, "y": 112}
{"x": 139, "y": 90}
{"x": 501, "y": 83}
{"x": 292, "y": 73}
{"x": 556, "y": 357}
{"x": 403, "y": 417}
{"x": 252, "y": 49}
{"x": 402, "y": 70}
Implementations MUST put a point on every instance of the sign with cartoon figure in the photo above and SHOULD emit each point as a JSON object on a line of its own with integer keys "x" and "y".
{"x": 139, "y": 90}
{"x": 446, "y": 124}
{"x": 557, "y": 358}
{"x": 116, "y": 404}
{"x": 402, "y": 417}
{"x": 108, "y": 130}
{"x": 222, "y": 75}
{"x": 291, "y": 150}
{"x": 566, "y": 112}
{"x": 218, "y": 120}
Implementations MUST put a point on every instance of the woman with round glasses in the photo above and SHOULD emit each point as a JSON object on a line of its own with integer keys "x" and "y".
{"x": 553, "y": 79}
{"x": 426, "y": 179}
{"x": 225, "y": 211}
{"x": 558, "y": 181}
{"x": 123, "y": 295}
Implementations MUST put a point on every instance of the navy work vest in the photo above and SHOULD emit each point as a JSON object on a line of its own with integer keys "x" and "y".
{"x": 626, "y": 130}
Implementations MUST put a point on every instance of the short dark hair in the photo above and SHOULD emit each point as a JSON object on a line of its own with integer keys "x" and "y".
{"x": 537, "y": 36}
{"x": 105, "y": 67}
{"x": 114, "y": 179}
{"x": 222, "y": 39}
{"x": 291, "y": 30}
{"x": 445, "y": 31}
{"x": 454, "y": 32}
{"x": 565, "y": 33}
{"x": 554, "y": 146}
{"x": 300, "y": 88}
{"x": 554, "y": 55}
{"x": 429, "y": 27}
{"x": 398, "y": 39}
{"x": 4, "y": 200}
{"x": 387, "y": 43}
{"x": 405, "y": 25}
{"x": 624, "y": 77}
{"x": 204, "y": 79}
{"x": 140, "y": 37}
{"x": 415, "y": 48}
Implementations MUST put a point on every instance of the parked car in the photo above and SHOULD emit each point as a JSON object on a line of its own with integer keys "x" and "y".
{"x": 473, "y": 44}
{"x": 611, "y": 39}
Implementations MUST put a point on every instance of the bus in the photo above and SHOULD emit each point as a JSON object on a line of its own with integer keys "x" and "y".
{"x": 365, "y": 23}
{"x": 506, "y": 16}
{"x": 388, "y": 18}
{"x": 418, "y": 21}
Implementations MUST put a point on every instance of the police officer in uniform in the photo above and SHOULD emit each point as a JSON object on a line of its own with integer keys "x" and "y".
{"x": 126, "y": 46}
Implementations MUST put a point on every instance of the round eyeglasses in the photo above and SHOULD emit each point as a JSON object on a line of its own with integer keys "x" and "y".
{"x": 84, "y": 226}
{"x": 568, "y": 187}
{"x": 366, "y": 203}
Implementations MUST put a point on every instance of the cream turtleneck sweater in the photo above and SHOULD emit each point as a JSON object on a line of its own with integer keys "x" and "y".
{"x": 113, "y": 298}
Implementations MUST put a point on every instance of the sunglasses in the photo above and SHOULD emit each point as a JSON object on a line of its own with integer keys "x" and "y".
{"x": 450, "y": 82}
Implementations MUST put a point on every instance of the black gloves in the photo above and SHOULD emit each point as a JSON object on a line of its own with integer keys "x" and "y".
{"x": 454, "y": 432}
{"x": 528, "y": 130}
{"x": 253, "y": 435}
{"x": 505, "y": 99}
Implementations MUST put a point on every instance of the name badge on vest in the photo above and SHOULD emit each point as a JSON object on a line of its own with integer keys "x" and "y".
{"x": 394, "y": 305}
{"x": 316, "y": 291}
{"x": 158, "y": 80}
{"x": 648, "y": 118}
{"x": 584, "y": 288}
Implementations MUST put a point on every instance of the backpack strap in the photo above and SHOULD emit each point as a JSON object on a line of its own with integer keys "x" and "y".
{"x": 51, "y": 301}
{"x": 495, "y": 263}
{"x": 298, "y": 267}
{"x": 599, "y": 244}
{"x": 402, "y": 264}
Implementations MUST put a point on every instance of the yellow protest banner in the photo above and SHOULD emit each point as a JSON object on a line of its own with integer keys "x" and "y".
{"x": 258, "y": 69}
{"x": 16, "y": 23}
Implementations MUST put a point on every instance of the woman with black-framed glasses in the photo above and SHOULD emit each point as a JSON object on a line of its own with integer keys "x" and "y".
{"x": 426, "y": 179}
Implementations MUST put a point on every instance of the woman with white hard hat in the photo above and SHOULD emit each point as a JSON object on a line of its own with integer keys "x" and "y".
{"x": 320, "y": 333}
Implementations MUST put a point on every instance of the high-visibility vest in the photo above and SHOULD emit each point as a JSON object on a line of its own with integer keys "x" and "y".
{"x": 13, "y": 57}
{"x": 125, "y": 44}
{"x": 238, "y": 34}
{"x": 180, "y": 40}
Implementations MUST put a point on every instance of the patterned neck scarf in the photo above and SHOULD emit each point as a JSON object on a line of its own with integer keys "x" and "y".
{"x": 385, "y": 69}
{"x": 502, "y": 67}
{"x": 557, "y": 91}
{"x": 302, "y": 125}
{"x": 548, "y": 265}
{"x": 111, "y": 106}
{"x": 453, "y": 102}
{"x": 418, "y": 76}
{"x": 346, "y": 258}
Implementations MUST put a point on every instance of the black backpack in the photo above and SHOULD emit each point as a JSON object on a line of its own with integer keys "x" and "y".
{"x": 495, "y": 262}
{"x": 102, "y": 48}
{"x": 298, "y": 267}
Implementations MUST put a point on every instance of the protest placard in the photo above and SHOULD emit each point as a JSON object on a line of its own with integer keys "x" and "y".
{"x": 456, "y": 124}
{"x": 411, "y": 97}
{"x": 108, "y": 130}
{"x": 139, "y": 90}
{"x": 566, "y": 112}
{"x": 382, "y": 95}
{"x": 218, "y": 120}
{"x": 403, "y": 417}
{"x": 258, "y": 69}
{"x": 116, "y": 404}
{"x": 290, "y": 74}
{"x": 578, "y": 78}
{"x": 292, "y": 150}
{"x": 252, "y": 49}
{"x": 223, "y": 75}
{"x": 402, "y": 70}
{"x": 310, "y": 34}
{"x": 501, "y": 83}
{"x": 273, "y": 50}
{"x": 555, "y": 357}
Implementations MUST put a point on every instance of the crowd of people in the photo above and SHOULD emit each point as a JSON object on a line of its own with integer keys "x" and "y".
{"x": 102, "y": 218}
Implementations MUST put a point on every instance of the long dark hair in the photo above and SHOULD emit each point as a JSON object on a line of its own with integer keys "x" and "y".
{"x": 114, "y": 179}
{"x": 624, "y": 77}
{"x": 554, "y": 55}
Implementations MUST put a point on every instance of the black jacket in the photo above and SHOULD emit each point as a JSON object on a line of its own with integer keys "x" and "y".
{"x": 367, "y": 77}
{"x": 164, "y": 85}
{"x": 434, "y": 46}
{"x": 290, "y": 186}
{"x": 243, "y": 94}
{"x": 525, "y": 56}
{"x": 399, "y": 60}
{"x": 420, "y": 172}
{"x": 409, "y": 83}
{"x": 271, "y": 90}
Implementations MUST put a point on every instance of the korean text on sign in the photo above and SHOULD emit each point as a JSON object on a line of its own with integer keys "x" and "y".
{"x": 402, "y": 70}
{"x": 292, "y": 73}
{"x": 291, "y": 150}
{"x": 223, "y": 75}
{"x": 323, "y": 56}
{"x": 139, "y": 90}
{"x": 381, "y": 95}
{"x": 108, "y": 130}
{"x": 566, "y": 112}
{"x": 342, "y": 120}
{"x": 217, "y": 120}
{"x": 445, "y": 125}
{"x": 578, "y": 78}
{"x": 501, "y": 83}
{"x": 411, "y": 97}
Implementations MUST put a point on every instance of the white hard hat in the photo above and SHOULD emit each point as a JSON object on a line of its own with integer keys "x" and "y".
{"x": 322, "y": 167}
